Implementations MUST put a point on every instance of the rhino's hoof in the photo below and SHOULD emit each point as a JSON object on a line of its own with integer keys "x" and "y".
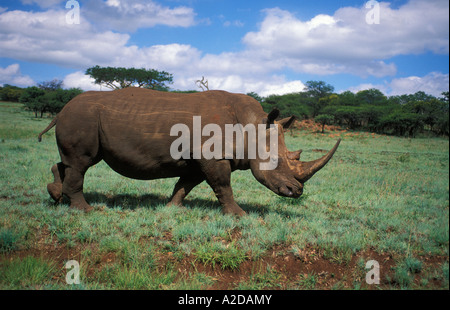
{"x": 234, "y": 211}
{"x": 55, "y": 191}
{"x": 81, "y": 206}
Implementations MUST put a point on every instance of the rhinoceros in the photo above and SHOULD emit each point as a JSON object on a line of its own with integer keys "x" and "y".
{"x": 130, "y": 129}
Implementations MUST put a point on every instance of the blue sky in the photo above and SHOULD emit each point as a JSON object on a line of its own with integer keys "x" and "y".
{"x": 239, "y": 46}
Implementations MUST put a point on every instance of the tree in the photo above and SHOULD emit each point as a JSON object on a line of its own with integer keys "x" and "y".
{"x": 402, "y": 123}
{"x": 371, "y": 96}
{"x": 445, "y": 96}
{"x": 346, "y": 115}
{"x": 56, "y": 100}
{"x": 10, "y": 93}
{"x": 116, "y": 78}
{"x": 324, "y": 119}
{"x": 288, "y": 104}
{"x": 202, "y": 84}
{"x": 33, "y": 98}
{"x": 255, "y": 96}
{"x": 41, "y": 101}
{"x": 318, "y": 90}
{"x": 51, "y": 85}
{"x": 347, "y": 98}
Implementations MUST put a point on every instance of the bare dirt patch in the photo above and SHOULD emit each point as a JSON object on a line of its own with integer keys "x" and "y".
{"x": 290, "y": 268}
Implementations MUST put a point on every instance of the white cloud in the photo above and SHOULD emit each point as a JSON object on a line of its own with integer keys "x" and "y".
{"x": 262, "y": 85}
{"x": 345, "y": 43}
{"x": 126, "y": 15}
{"x": 433, "y": 83}
{"x": 44, "y": 3}
{"x": 12, "y": 75}
{"x": 381, "y": 87}
{"x": 80, "y": 80}
{"x": 45, "y": 37}
{"x": 280, "y": 88}
{"x": 325, "y": 44}
{"x": 130, "y": 15}
{"x": 234, "y": 23}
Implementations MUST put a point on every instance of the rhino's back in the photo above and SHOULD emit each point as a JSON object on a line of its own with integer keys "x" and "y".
{"x": 139, "y": 101}
{"x": 134, "y": 125}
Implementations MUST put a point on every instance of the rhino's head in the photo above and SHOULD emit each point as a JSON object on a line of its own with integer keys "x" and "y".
{"x": 289, "y": 174}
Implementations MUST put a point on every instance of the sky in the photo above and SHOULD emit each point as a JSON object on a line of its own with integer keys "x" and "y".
{"x": 267, "y": 47}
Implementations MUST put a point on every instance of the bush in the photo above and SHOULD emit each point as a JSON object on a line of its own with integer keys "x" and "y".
{"x": 8, "y": 240}
{"x": 41, "y": 101}
{"x": 324, "y": 119}
{"x": 10, "y": 93}
{"x": 402, "y": 123}
{"x": 33, "y": 98}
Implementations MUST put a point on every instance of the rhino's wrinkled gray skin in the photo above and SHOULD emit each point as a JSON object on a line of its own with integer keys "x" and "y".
{"x": 130, "y": 130}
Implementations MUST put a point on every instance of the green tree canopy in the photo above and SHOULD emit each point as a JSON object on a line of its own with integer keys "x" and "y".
{"x": 41, "y": 101}
{"x": 371, "y": 96}
{"x": 118, "y": 77}
{"x": 324, "y": 119}
{"x": 10, "y": 93}
{"x": 317, "y": 90}
{"x": 51, "y": 85}
{"x": 32, "y": 97}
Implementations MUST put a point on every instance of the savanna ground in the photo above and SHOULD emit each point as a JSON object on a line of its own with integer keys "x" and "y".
{"x": 380, "y": 198}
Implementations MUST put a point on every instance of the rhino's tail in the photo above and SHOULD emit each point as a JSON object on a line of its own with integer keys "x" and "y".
{"x": 50, "y": 126}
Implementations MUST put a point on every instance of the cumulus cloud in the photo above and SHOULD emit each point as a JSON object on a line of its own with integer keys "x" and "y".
{"x": 323, "y": 45}
{"x": 126, "y": 15}
{"x": 433, "y": 83}
{"x": 12, "y": 75}
{"x": 346, "y": 43}
{"x": 281, "y": 88}
{"x": 129, "y": 15}
{"x": 44, "y": 3}
{"x": 80, "y": 80}
{"x": 45, "y": 37}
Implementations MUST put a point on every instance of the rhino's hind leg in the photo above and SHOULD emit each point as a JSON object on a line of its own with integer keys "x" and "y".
{"x": 183, "y": 187}
{"x": 73, "y": 188}
{"x": 55, "y": 188}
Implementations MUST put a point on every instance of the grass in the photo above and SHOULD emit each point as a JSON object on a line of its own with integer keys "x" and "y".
{"x": 379, "y": 196}
{"x": 228, "y": 256}
{"x": 27, "y": 273}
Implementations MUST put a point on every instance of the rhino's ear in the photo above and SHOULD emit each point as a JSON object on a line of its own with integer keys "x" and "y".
{"x": 272, "y": 117}
{"x": 287, "y": 122}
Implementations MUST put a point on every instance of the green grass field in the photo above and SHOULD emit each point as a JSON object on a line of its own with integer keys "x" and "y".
{"x": 380, "y": 198}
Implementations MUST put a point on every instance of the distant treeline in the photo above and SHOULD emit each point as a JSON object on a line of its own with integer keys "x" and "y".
{"x": 46, "y": 97}
{"x": 366, "y": 110}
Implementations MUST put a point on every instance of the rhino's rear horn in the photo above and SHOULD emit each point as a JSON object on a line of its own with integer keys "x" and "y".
{"x": 294, "y": 155}
{"x": 304, "y": 170}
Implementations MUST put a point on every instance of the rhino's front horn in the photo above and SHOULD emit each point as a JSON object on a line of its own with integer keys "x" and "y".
{"x": 304, "y": 170}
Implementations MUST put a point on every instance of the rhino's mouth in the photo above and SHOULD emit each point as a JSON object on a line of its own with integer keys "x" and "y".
{"x": 290, "y": 191}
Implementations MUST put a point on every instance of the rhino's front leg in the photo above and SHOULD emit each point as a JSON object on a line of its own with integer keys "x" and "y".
{"x": 218, "y": 176}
